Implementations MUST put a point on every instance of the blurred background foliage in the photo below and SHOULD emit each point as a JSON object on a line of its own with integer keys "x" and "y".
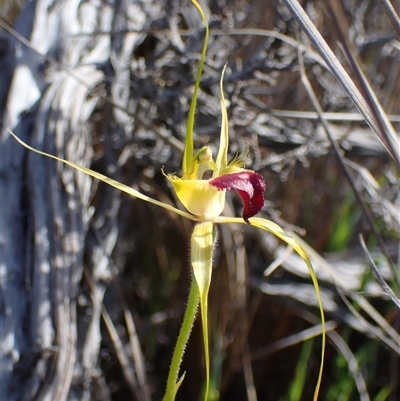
{"x": 260, "y": 347}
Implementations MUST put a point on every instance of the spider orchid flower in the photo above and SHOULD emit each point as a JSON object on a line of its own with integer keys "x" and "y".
{"x": 204, "y": 200}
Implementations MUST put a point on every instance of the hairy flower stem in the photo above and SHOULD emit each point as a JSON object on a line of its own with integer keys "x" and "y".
{"x": 174, "y": 381}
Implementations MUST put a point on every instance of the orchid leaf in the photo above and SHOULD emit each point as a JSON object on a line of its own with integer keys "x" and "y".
{"x": 109, "y": 181}
{"x": 188, "y": 160}
{"x": 174, "y": 382}
{"x": 172, "y": 394}
{"x": 202, "y": 244}
{"x": 276, "y": 230}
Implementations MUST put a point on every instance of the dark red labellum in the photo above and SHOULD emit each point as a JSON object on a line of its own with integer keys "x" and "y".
{"x": 250, "y": 186}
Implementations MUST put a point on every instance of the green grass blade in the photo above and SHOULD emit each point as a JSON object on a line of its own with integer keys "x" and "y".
{"x": 297, "y": 386}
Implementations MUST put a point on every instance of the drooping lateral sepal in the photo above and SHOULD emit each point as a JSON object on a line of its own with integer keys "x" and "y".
{"x": 201, "y": 254}
{"x": 250, "y": 186}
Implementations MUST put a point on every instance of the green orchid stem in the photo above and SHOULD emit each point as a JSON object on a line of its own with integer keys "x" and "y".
{"x": 174, "y": 381}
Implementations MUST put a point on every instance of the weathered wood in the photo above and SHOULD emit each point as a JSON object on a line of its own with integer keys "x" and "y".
{"x": 45, "y": 206}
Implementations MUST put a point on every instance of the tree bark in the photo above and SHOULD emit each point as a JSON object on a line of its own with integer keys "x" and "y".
{"x": 51, "y": 90}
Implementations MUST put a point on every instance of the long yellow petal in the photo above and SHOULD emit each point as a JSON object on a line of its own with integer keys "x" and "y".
{"x": 109, "y": 181}
{"x": 222, "y": 157}
{"x": 276, "y": 230}
{"x": 187, "y": 162}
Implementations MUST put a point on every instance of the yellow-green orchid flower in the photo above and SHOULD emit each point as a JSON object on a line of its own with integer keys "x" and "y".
{"x": 204, "y": 200}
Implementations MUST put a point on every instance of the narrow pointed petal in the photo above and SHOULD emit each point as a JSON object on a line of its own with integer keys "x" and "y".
{"x": 222, "y": 157}
{"x": 250, "y": 186}
{"x": 296, "y": 244}
{"x": 109, "y": 181}
{"x": 187, "y": 162}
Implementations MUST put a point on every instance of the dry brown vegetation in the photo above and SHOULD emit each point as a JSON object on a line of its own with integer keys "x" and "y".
{"x": 94, "y": 283}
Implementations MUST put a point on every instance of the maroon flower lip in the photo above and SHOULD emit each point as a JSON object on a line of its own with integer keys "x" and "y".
{"x": 250, "y": 186}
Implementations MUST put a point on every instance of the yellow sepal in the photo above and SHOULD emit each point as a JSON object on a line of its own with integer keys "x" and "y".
{"x": 199, "y": 197}
{"x": 201, "y": 250}
{"x": 108, "y": 180}
{"x": 276, "y": 230}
